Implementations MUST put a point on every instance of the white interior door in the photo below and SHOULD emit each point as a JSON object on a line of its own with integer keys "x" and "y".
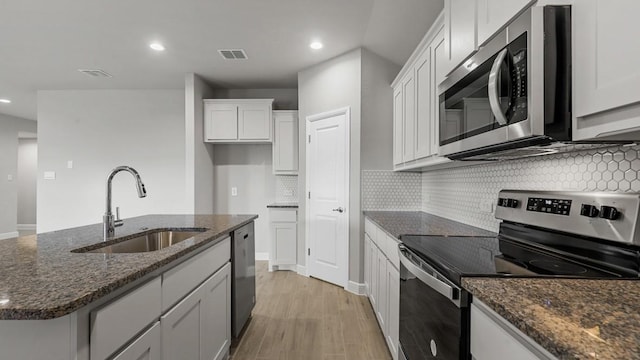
{"x": 328, "y": 194}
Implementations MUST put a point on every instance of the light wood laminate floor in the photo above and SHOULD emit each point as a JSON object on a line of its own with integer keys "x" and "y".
{"x": 300, "y": 318}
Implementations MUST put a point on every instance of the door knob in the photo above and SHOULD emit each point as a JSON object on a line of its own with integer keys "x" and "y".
{"x": 340, "y": 210}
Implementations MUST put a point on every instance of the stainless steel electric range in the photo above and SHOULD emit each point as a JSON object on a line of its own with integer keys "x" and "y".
{"x": 542, "y": 234}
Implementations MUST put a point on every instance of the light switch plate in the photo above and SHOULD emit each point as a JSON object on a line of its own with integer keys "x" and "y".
{"x": 234, "y": 191}
{"x": 70, "y": 164}
{"x": 9, "y": 177}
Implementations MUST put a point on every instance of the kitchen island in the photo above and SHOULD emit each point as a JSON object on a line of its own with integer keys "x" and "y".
{"x": 53, "y": 295}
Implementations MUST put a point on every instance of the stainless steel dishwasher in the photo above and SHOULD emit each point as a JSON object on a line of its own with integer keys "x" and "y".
{"x": 243, "y": 271}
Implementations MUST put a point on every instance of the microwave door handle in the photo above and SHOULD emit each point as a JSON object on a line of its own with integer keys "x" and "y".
{"x": 494, "y": 101}
{"x": 437, "y": 285}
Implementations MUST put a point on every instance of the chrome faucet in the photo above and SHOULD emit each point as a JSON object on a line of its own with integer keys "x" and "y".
{"x": 110, "y": 223}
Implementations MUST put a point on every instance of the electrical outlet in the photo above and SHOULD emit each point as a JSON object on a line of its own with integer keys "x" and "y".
{"x": 288, "y": 192}
{"x": 9, "y": 177}
{"x": 49, "y": 175}
{"x": 234, "y": 191}
{"x": 70, "y": 164}
{"x": 486, "y": 206}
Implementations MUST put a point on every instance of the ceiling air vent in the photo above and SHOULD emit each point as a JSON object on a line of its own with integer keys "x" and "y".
{"x": 233, "y": 54}
{"x": 95, "y": 73}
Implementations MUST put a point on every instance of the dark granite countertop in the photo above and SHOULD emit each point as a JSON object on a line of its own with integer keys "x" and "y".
{"x": 283, "y": 205}
{"x": 42, "y": 279}
{"x": 398, "y": 223}
{"x": 571, "y": 318}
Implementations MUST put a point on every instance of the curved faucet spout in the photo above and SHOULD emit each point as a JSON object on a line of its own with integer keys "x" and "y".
{"x": 109, "y": 222}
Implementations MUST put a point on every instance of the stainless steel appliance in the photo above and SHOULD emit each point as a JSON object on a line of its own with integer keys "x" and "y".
{"x": 542, "y": 234}
{"x": 243, "y": 272}
{"x": 512, "y": 98}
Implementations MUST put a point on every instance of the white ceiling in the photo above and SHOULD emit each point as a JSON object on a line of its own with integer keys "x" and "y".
{"x": 44, "y": 42}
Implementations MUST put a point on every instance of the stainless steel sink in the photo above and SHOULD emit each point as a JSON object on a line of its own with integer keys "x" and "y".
{"x": 150, "y": 241}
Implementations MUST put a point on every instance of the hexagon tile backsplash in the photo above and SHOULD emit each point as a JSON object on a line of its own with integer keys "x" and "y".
{"x": 388, "y": 190}
{"x": 466, "y": 194}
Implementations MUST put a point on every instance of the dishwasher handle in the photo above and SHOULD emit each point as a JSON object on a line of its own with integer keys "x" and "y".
{"x": 450, "y": 292}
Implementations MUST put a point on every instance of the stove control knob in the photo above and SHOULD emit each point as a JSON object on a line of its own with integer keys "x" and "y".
{"x": 609, "y": 213}
{"x": 589, "y": 210}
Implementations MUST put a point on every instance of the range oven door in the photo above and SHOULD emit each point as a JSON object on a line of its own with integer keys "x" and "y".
{"x": 434, "y": 314}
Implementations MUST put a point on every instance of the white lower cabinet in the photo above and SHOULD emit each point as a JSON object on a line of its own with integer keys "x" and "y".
{"x": 199, "y": 326}
{"x": 393, "y": 305}
{"x": 145, "y": 347}
{"x": 284, "y": 239}
{"x": 382, "y": 282}
{"x": 494, "y": 338}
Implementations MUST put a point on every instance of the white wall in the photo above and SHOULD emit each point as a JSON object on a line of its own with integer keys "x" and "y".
{"x": 27, "y": 180}
{"x": 249, "y": 169}
{"x": 199, "y": 155}
{"x": 377, "y": 111}
{"x": 99, "y": 130}
{"x": 334, "y": 84}
{"x": 9, "y": 128}
{"x": 284, "y": 99}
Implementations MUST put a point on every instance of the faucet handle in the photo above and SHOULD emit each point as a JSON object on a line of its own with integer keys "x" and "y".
{"x": 118, "y": 221}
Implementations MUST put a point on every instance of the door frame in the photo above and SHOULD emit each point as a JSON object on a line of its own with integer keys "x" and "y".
{"x": 346, "y": 111}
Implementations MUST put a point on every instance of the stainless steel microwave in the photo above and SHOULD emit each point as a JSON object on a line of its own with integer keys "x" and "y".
{"x": 512, "y": 98}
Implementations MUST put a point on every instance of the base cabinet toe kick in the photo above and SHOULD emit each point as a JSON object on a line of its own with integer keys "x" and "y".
{"x": 181, "y": 312}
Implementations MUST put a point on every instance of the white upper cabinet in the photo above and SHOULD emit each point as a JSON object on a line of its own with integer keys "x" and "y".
{"x": 397, "y": 126}
{"x": 409, "y": 117}
{"x": 415, "y": 104}
{"x": 285, "y": 142}
{"x": 495, "y": 14}
{"x": 460, "y": 31}
{"x": 606, "y": 78}
{"x": 237, "y": 120}
{"x": 425, "y": 98}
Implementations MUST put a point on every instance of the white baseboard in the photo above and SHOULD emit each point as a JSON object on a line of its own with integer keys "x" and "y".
{"x": 9, "y": 235}
{"x": 285, "y": 267}
{"x": 26, "y": 227}
{"x": 262, "y": 256}
{"x": 301, "y": 270}
{"x": 356, "y": 288}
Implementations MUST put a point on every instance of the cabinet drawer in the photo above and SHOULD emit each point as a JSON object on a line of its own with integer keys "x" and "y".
{"x": 115, "y": 324}
{"x": 146, "y": 346}
{"x": 282, "y": 215}
{"x": 370, "y": 228}
{"x": 391, "y": 250}
{"x": 179, "y": 281}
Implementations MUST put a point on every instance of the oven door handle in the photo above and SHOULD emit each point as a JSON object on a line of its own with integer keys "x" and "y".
{"x": 440, "y": 286}
{"x": 494, "y": 101}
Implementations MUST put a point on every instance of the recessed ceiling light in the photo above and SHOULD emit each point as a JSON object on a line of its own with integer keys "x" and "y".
{"x": 157, "y": 46}
{"x": 316, "y": 45}
{"x": 6, "y": 101}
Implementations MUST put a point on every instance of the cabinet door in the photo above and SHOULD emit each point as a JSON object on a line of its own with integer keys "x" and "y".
{"x": 285, "y": 143}
{"x": 367, "y": 265}
{"x": 495, "y": 14}
{"x": 460, "y": 31}
{"x": 373, "y": 297}
{"x": 424, "y": 97}
{"x": 397, "y": 125}
{"x": 254, "y": 122}
{"x": 216, "y": 318}
{"x": 409, "y": 117}
{"x": 145, "y": 347}
{"x": 220, "y": 122}
{"x": 393, "y": 305}
{"x": 182, "y": 329}
{"x": 199, "y": 327}
{"x": 284, "y": 247}
{"x": 439, "y": 74}
{"x": 606, "y": 74}
{"x": 383, "y": 292}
